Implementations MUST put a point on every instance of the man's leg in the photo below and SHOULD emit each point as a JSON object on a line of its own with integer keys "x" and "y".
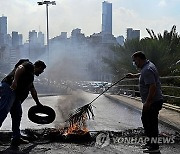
{"x": 16, "y": 114}
{"x": 145, "y": 121}
{"x": 7, "y": 97}
{"x": 153, "y": 131}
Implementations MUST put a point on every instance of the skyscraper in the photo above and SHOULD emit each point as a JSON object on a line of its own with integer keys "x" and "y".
{"x": 3, "y": 29}
{"x": 41, "y": 39}
{"x": 15, "y": 39}
{"x": 33, "y": 39}
{"x": 3, "y": 25}
{"x": 106, "y": 17}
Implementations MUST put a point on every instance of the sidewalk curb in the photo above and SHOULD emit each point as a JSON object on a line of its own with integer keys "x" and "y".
{"x": 43, "y": 95}
{"x": 166, "y": 116}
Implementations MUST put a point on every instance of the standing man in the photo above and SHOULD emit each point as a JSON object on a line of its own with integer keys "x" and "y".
{"x": 14, "y": 89}
{"x": 152, "y": 99}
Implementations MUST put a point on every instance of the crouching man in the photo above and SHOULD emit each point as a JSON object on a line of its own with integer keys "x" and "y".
{"x": 14, "y": 89}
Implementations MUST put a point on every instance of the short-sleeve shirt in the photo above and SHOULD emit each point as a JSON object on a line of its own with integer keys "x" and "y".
{"x": 25, "y": 81}
{"x": 149, "y": 75}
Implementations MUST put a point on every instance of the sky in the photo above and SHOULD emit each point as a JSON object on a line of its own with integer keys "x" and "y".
{"x": 25, "y": 15}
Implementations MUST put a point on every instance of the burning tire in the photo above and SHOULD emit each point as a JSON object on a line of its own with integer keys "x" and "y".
{"x": 41, "y": 114}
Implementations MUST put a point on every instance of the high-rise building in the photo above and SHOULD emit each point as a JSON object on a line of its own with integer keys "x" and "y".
{"x": 36, "y": 44}
{"x": 33, "y": 37}
{"x": 20, "y": 39}
{"x": 106, "y": 17}
{"x": 133, "y": 34}
{"x": 3, "y": 25}
{"x": 41, "y": 39}
{"x": 15, "y": 39}
{"x": 3, "y": 29}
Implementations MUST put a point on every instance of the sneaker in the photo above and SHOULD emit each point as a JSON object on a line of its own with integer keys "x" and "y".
{"x": 151, "y": 150}
{"x": 17, "y": 142}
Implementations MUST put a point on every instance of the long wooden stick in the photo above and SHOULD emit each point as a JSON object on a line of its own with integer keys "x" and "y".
{"x": 87, "y": 109}
{"x": 107, "y": 89}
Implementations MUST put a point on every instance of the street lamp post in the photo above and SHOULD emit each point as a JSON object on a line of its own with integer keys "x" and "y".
{"x": 47, "y": 3}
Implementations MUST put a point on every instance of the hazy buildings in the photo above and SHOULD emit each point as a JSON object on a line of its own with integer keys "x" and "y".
{"x": 77, "y": 36}
{"x": 106, "y": 17}
{"x": 36, "y": 38}
{"x": 33, "y": 37}
{"x": 15, "y": 39}
{"x": 133, "y": 34}
{"x": 120, "y": 40}
{"x": 77, "y": 57}
{"x": 41, "y": 39}
{"x": 14, "y": 53}
{"x": 36, "y": 44}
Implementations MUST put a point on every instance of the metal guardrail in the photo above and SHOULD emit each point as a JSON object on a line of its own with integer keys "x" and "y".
{"x": 171, "y": 84}
{"x": 172, "y": 107}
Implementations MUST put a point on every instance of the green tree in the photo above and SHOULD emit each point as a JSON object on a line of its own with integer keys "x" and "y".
{"x": 162, "y": 50}
{"x": 122, "y": 62}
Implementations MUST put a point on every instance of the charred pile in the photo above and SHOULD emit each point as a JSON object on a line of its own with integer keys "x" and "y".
{"x": 80, "y": 136}
{"x": 58, "y": 135}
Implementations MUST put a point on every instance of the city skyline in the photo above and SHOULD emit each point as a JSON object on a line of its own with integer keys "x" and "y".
{"x": 24, "y": 16}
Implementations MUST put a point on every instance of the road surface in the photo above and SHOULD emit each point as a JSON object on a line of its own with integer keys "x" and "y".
{"x": 109, "y": 115}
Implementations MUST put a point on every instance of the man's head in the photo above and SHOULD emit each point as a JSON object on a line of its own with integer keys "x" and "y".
{"x": 39, "y": 67}
{"x": 139, "y": 58}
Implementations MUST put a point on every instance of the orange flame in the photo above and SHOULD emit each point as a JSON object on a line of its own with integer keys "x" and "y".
{"x": 77, "y": 128}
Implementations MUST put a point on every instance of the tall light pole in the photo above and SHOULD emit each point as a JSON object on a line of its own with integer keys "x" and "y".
{"x": 47, "y": 3}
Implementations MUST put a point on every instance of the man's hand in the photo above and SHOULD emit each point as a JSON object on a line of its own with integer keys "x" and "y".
{"x": 129, "y": 75}
{"x": 146, "y": 107}
{"x": 38, "y": 104}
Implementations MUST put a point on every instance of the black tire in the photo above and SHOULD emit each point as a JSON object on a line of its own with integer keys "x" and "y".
{"x": 34, "y": 110}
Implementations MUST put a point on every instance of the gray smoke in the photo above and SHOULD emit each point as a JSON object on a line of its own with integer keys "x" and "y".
{"x": 66, "y": 105}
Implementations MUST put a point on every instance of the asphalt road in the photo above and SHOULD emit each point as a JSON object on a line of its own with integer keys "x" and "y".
{"x": 109, "y": 115}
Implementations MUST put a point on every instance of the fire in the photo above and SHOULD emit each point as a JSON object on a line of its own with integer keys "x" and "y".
{"x": 77, "y": 128}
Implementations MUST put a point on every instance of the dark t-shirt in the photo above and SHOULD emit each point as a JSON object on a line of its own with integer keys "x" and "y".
{"x": 25, "y": 81}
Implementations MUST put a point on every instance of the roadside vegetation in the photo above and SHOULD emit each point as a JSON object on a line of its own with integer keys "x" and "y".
{"x": 162, "y": 49}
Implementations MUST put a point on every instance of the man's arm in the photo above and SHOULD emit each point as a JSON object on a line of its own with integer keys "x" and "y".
{"x": 131, "y": 75}
{"x": 20, "y": 69}
{"x": 34, "y": 95}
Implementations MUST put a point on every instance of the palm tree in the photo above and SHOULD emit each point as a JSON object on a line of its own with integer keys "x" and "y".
{"x": 122, "y": 62}
{"x": 162, "y": 50}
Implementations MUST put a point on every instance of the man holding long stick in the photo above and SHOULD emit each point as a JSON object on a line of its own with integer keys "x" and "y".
{"x": 152, "y": 99}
